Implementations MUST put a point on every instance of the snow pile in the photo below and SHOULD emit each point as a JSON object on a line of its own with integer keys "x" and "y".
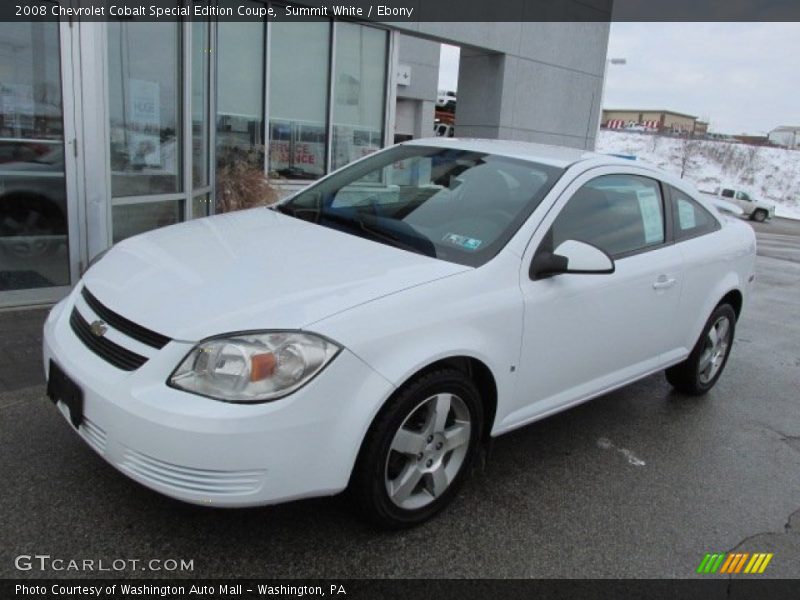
{"x": 770, "y": 174}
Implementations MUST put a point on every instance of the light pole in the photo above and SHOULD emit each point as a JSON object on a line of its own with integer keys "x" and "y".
{"x": 609, "y": 61}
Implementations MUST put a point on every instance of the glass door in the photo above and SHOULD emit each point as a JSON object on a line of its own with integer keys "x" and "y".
{"x": 158, "y": 83}
{"x": 35, "y": 206}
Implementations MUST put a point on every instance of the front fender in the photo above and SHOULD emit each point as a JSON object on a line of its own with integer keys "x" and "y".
{"x": 476, "y": 314}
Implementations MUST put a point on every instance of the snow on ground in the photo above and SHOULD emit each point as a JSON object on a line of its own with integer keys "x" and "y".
{"x": 770, "y": 174}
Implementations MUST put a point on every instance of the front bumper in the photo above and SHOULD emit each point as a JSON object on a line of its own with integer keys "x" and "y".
{"x": 209, "y": 452}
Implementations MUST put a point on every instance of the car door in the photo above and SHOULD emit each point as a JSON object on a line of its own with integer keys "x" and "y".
{"x": 587, "y": 333}
{"x": 745, "y": 201}
{"x": 694, "y": 228}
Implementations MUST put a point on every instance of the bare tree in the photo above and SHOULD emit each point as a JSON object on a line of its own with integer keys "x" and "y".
{"x": 654, "y": 141}
{"x": 688, "y": 151}
{"x": 749, "y": 160}
{"x": 752, "y": 153}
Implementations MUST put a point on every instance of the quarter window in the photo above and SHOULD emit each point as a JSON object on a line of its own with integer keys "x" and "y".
{"x": 620, "y": 214}
{"x": 690, "y": 218}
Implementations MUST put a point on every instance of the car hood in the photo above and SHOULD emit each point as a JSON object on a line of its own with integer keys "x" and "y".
{"x": 253, "y": 269}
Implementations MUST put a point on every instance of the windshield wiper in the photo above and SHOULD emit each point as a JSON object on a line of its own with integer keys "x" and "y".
{"x": 359, "y": 224}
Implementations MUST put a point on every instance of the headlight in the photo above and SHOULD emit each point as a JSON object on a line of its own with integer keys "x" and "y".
{"x": 253, "y": 367}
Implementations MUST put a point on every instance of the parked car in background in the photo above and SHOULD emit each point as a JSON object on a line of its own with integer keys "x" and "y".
{"x": 33, "y": 200}
{"x": 373, "y": 331}
{"x": 443, "y": 129}
{"x": 755, "y": 210}
{"x": 446, "y": 100}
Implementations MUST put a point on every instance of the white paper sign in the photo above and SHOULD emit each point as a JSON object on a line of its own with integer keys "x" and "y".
{"x": 686, "y": 217}
{"x": 144, "y": 122}
{"x": 650, "y": 206}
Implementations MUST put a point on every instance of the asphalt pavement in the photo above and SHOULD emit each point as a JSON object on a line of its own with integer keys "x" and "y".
{"x": 641, "y": 482}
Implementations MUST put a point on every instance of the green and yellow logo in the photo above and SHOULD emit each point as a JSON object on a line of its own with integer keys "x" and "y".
{"x": 734, "y": 562}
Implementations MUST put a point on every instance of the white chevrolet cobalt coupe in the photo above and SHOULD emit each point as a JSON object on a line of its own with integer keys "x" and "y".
{"x": 373, "y": 330}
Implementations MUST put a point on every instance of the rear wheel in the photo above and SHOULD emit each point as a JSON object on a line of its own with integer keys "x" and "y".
{"x": 759, "y": 215}
{"x": 698, "y": 373}
{"x": 419, "y": 450}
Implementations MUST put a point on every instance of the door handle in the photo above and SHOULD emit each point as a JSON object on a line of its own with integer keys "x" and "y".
{"x": 664, "y": 282}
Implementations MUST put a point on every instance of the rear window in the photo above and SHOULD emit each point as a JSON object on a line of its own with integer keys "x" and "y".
{"x": 689, "y": 217}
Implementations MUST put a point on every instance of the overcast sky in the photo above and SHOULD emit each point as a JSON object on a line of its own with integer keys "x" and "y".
{"x": 744, "y": 77}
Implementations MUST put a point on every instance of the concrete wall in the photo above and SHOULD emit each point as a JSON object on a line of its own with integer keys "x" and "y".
{"x": 416, "y": 102}
{"x": 534, "y": 81}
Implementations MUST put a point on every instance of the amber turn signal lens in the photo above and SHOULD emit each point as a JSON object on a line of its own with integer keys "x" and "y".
{"x": 262, "y": 366}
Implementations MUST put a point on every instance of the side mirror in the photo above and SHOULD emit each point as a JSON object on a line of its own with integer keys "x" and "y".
{"x": 571, "y": 256}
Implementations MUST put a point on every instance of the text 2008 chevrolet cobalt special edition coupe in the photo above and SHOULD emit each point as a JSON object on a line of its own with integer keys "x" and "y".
{"x": 373, "y": 330}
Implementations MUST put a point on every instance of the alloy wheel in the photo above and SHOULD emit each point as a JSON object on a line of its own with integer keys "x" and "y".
{"x": 428, "y": 451}
{"x": 715, "y": 351}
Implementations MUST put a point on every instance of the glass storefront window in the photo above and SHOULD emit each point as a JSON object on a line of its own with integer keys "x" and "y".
{"x": 201, "y": 206}
{"x": 34, "y": 250}
{"x": 201, "y": 53}
{"x": 144, "y": 92}
{"x": 132, "y": 219}
{"x": 299, "y": 67}
{"x": 359, "y": 91}
{"x": 240, "y": 92}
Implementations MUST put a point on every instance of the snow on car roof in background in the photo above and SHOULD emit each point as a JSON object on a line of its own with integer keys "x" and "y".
{"x": 557, "y": 156}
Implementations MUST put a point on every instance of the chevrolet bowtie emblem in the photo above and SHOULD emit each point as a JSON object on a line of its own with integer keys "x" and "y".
{"x": 98, "y": 328}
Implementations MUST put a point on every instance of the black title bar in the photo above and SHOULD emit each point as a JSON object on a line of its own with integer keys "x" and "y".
{"x": 404, "y": 11}
{"x": 717, "y": 588}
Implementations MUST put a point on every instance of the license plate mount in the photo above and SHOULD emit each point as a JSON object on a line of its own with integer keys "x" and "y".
{"x": 61, "y": 387}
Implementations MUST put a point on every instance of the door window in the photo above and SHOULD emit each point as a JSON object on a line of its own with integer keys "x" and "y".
{"x": 620, "y": 214}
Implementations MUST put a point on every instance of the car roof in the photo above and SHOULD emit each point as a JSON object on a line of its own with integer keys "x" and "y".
{"x": 557, "y": 156}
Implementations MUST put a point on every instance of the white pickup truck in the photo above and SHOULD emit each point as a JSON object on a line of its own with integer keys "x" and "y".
{"x": 752, "y": 208}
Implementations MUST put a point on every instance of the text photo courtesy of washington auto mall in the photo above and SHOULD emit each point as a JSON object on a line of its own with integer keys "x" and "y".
{"x": 449, "y": 299}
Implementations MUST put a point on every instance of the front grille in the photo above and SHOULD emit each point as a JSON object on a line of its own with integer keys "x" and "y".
{"x": 106, "y": 349}
{"x": 123, "y": 325}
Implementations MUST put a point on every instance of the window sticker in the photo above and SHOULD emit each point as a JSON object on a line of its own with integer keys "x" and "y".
{"x": 686, "y": 218}
{"x": 462, "y": 241}
{"x": 650, "y": 206}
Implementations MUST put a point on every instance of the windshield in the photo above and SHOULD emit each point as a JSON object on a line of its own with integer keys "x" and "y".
{"x": 456, "y": 205}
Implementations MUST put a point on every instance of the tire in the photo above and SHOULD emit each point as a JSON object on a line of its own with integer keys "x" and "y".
{"x": 413, "y": 460}
{"x": 700, "y": 371}
{"x": 759, "y": 215}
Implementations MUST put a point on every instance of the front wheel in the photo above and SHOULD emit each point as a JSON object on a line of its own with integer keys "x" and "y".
{"x": 419, "y": 450}
{"x": 698, "y": 373}
{"x": 759, "y": 215}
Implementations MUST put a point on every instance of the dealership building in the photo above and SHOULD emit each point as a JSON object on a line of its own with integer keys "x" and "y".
{"x": 111, "y": 128}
